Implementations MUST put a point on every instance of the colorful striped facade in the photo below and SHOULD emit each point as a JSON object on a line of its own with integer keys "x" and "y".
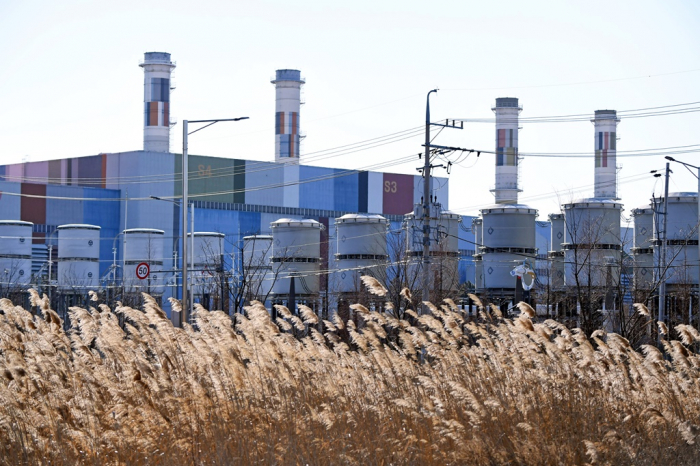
{"x": 235, "y": 197}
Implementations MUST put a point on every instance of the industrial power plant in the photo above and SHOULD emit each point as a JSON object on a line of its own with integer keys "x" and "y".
{"x": 281, "y": 232}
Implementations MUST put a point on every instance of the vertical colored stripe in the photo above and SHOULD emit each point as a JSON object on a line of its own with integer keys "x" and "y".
{"x": 291, "y": 145}
{"x": 282, "y": 123}
{"x": 605, "y": 157}
{"x": 501, "y": 138}
{"x": 294, "y": 123}
{"x": 613, "y": 141}
{"x": 152, "y": 113}
{"x": 166, "y": 113}
{"x": 599, "y": 142}
{"x": 363, "y": 191}
{"x": 606, "y": 140}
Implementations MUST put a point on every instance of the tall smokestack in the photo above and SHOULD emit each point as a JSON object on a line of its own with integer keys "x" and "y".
{"x": 287, "y": 104}
{"x": 157, "y": 68}
{"x": 605, "y": 122}
{"x": 507, "y": 111}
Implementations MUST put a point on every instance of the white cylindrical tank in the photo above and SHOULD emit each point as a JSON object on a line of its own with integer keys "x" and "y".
{"x": 208, "y": 256}
{"x": 296, "y": 252}
{"x": 509, "y": 240}
{"x": 643, "y": 251}
{"x": 257, "y": 252}
{"x": 144, "y": 245}
{"x": 444, "y": 247}
{"x": 287, "y": 105}
{"x": 157, "y": 68}
{"x": 208, "y": 248}
{"x": 605, "y": 122}
{"x": 361, "y": 247}
{"x": 682, "y": 245}
{"x": 556, "y": 253}
{"x": 478, "y": 259}
{"x": 592, "y": 242}
{"x": 507, "y": 112}
{"x": 78, "y": 257}
{"x": 15, "y": 252}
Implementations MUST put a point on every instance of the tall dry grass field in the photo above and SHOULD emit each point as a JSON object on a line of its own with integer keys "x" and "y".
{"x": 435, "y": 389}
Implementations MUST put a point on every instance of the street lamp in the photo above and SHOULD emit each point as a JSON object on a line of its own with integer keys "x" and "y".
{"x": 185, "y": 201}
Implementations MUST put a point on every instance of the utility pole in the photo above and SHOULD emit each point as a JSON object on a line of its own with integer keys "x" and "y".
{"x": 427, "y": 201}
{"x": 662, "y": 259}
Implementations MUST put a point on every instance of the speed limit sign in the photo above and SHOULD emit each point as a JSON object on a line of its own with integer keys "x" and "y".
{"x": 142, "y": 270}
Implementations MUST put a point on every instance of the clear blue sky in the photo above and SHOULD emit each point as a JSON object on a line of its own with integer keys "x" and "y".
{"x": 71, "y": 84}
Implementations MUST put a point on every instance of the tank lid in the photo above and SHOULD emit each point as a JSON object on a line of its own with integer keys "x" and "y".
{"x": 361, "y": 218}
{"x": 207, "y": 233}
{"x": 687, "y": 195}
{"x": 450, "y": 215}
{"x": 641, "y": 210}
{"x": 143, "y": 230}
{"x": 77, "y": 226}
{"x": 19, "y": 223}
{"x": 594, "y": 202}
{"x": 509, "y": 209}
{"x": 555, "y": 217}
{"x": 288, "y": 222}
{"x": 258, "y": 237}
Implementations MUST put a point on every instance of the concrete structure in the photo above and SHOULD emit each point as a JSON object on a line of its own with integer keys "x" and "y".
{"x": 444, "y": 248}
{"x": 361, "y": 249}
{"x": 508, "y": 240}
{"x": 605, "y": 122}
{"x": 78, "y": 258}
{"x": 207, "y": 267}
{"x": 682, "y": 240}
{"x": 144, "y": 245}
{"x": 157, "y": 68}
{"x": 507, "y": 111}
{"x": 643, "y": 252}
{"x": 287, "y": 105}
{"x": 15, "y": 253}
{"x": 257, "y": 266}
{"x": 555, "y": 255}
{"x": 296, "y": 254}
{"x": 592, "y": 244}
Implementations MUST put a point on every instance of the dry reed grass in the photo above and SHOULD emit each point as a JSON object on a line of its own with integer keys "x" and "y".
{"x": 437, "y": 390}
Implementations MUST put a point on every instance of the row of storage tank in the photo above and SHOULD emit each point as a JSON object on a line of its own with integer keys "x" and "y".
{"x": 78, "y": 256}
{"x": 293, "y": 250}
{"x": 586, "y": 243}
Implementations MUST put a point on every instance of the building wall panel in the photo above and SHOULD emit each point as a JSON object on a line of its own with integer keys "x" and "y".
{"x": 316, "y": 188}
{"x": 290, "y": 198}
{"x": 63, "y": 211}
{"x": 33, "y": 209}
{"x": 263, "y": 181}
{"x": 397, "y": 197}
{"x": 36, "y": 172}
{"x": 10, "y": 206}
{"x": 239, "y": 168}
{"x": 15, "y": 172}
{"x": 55, "y": 171}
{"x": 375, "y": 189}
{"x": 106, "y": 215}
{"x": 345, "y": 188}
